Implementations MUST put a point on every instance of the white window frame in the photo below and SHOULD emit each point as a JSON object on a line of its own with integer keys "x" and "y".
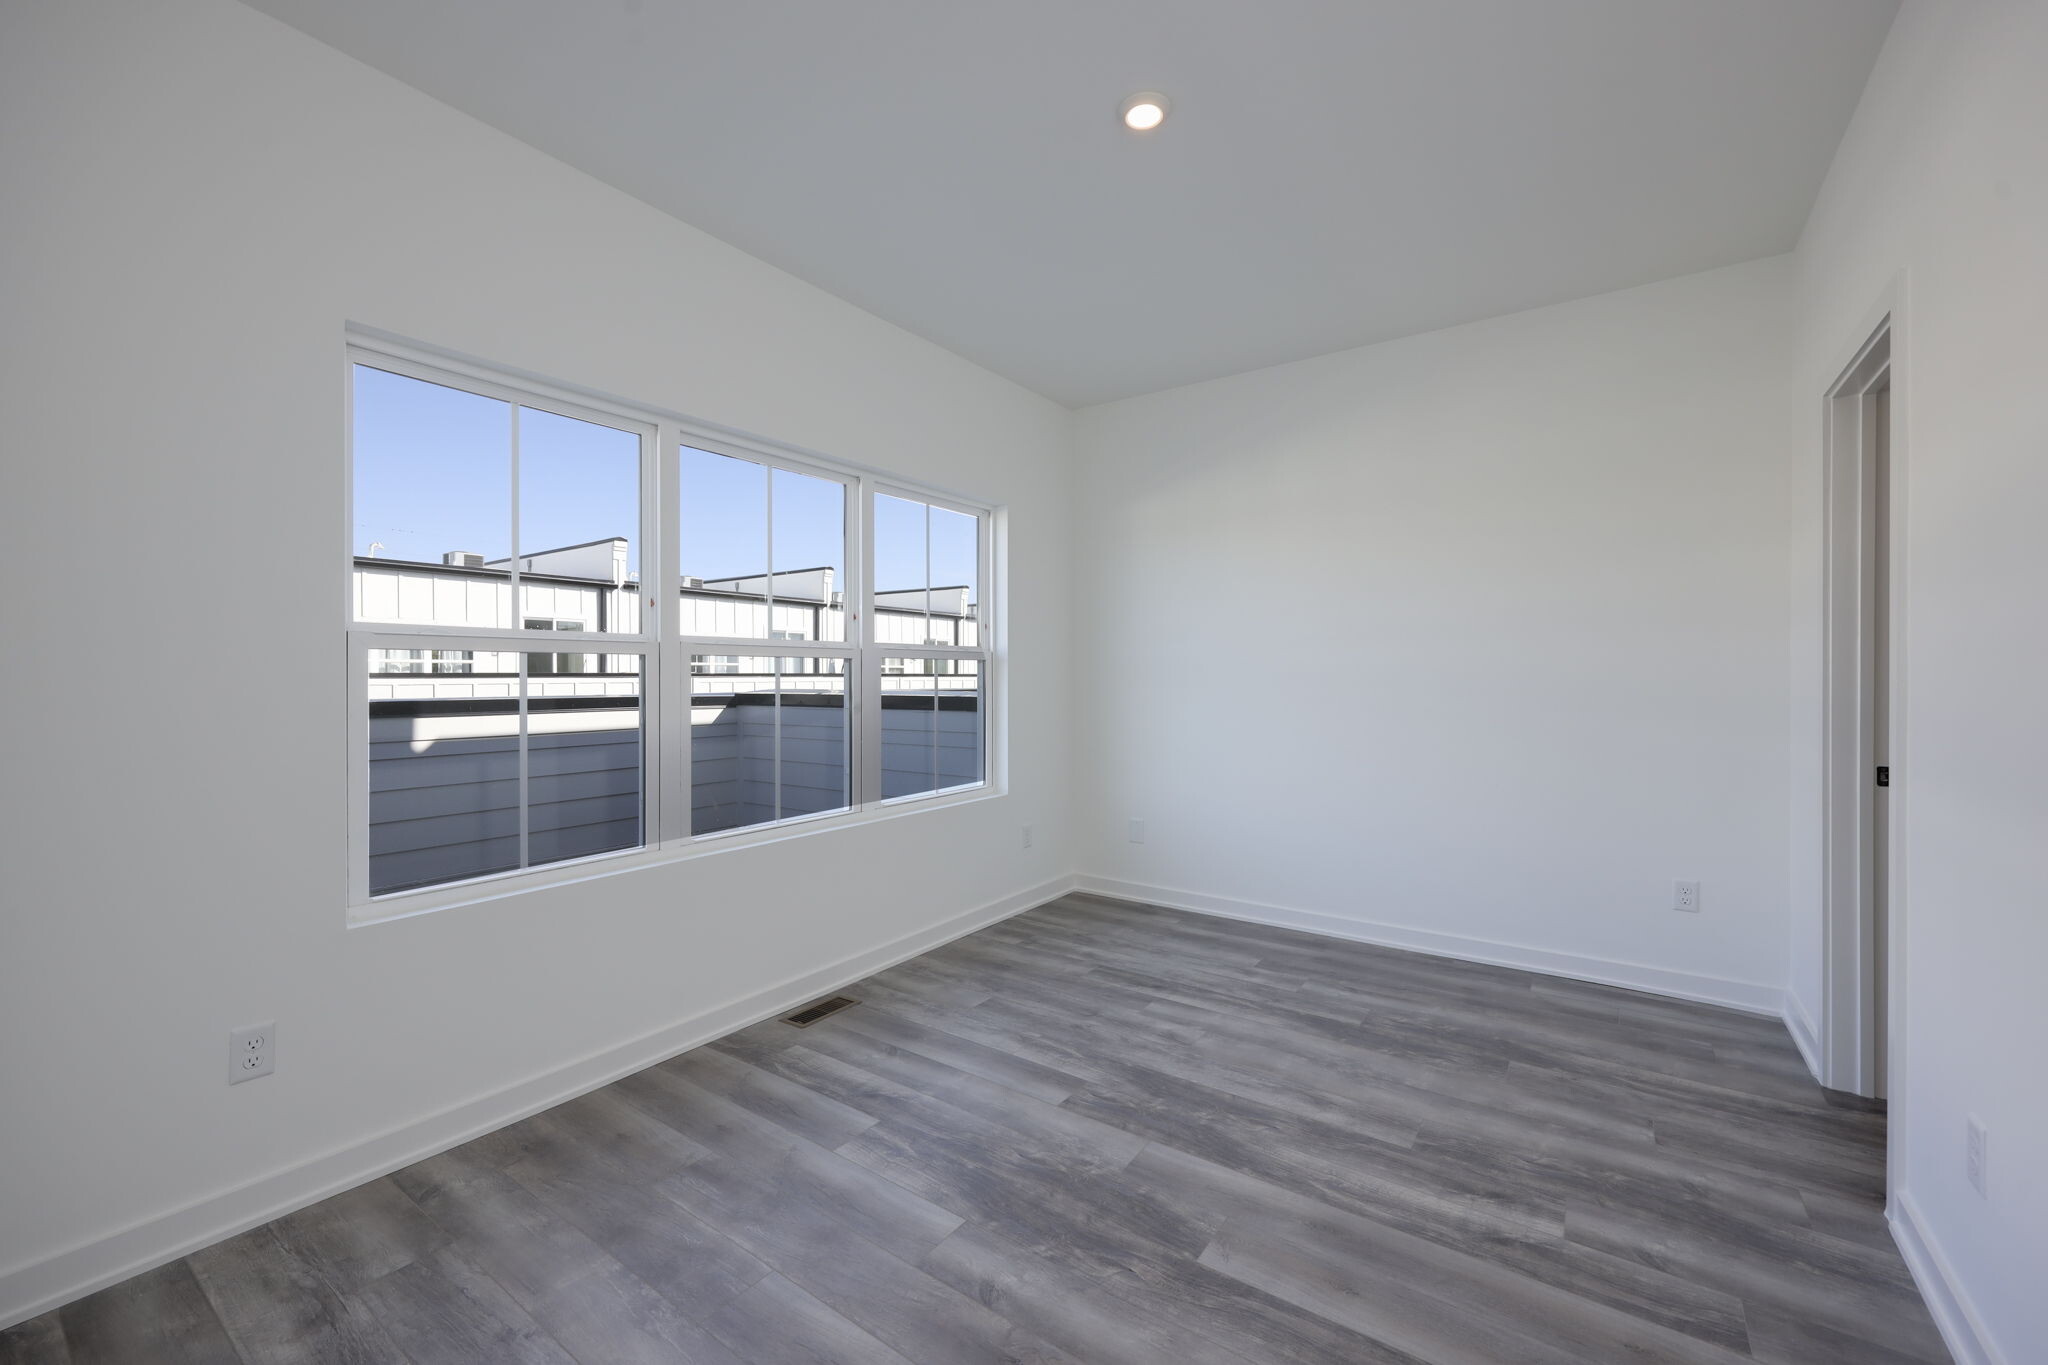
{"x": 871, "y": 666}
{"x": 666, "y": 679}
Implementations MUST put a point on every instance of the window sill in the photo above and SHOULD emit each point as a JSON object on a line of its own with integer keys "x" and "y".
{"x": 406, "y": 904}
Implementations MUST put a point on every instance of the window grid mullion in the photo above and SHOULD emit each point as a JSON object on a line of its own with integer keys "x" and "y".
{"x": 652, "y": 707}
{"x": 664, "y": 618}
{"x": 932, "y": 651}
{"x": 768, "y": 563}
{"x": 525, "y": 858}
{"x": 515, "y": 609}
{"x": 726, "y": 644}
{"x": 928, "y": 640}
{"x": 429, "y": 630}
{"x": 868, "y": 736}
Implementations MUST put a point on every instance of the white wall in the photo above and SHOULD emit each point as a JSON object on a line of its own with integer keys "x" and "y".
{"x": 196, "y": 199}
{"x": 1943, "y": 180}
{"x": 1536, "y": 668}
{"x": 1559, "y": 643}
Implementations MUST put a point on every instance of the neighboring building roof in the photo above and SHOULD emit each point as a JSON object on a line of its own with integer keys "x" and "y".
{"x": 558, "y": 549}
{"x": 489, "y": 571}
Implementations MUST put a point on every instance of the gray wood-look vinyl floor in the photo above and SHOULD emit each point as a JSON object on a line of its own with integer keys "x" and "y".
{"x": 1111, "y": 1133}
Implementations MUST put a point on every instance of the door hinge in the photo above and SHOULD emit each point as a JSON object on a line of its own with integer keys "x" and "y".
{"x": 1884, "y": 777}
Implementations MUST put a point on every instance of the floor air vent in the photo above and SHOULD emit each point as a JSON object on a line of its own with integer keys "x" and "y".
{"x": 811, "y": 1014}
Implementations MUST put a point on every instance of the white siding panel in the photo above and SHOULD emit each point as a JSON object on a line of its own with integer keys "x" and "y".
{"x": 480, "y": 603}
{"x": 415, "y": 598}
{"x": 451, "y": 601}
{"x": 377, "y": 596}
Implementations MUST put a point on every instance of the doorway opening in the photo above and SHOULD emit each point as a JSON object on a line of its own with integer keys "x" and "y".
{"x": 1859, "y": 770}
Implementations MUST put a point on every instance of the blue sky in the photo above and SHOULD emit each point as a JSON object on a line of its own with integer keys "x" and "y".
{"x": 433, "y": 473}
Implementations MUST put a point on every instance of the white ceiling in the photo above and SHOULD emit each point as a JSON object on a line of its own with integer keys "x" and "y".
{"x": 1335, "y": 172}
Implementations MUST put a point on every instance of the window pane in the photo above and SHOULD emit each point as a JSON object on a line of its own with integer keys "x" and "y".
{"x": 902, "y": 573}
{"x": 961, "y": 730}
{"x": 932, "y": 732}
{"x": 732, "y": 741}
{"x": 444, "y": 770}
{"x": 811, "y": 764}
{"x": 927, "y": 574}
{"x": 445, "y": 743}
{"x": 585, "y": 756}
{"x": 769, "y": 740}
{"x": 432, "y": 502}
{"x": 956, "y": 577}
{"x": 909, "y": 727}
{"x": 579, "y": 522}
{"x": 810, "y": 557}
{"x": 723, "y": 557}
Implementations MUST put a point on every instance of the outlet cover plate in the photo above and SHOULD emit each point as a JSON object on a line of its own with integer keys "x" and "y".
{"x": 252, "y": 1052}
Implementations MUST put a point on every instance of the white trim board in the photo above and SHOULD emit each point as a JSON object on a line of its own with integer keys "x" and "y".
{"x": 38, "y": 1286}
{"x": 1805, "y": 1037}
{"x": 1752, "y": 997}
{"x": 1961, "y": 1328}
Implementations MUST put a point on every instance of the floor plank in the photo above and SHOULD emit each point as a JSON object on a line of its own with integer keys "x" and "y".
{"x": 280, "y": 1303}
{"x": 445, "y": 1310}
{"x": 39, "y": 1341}
{"x": 1112, "y": 1133}
{"x": 161, "y": 1315}
{"x": 777, "y": 1321}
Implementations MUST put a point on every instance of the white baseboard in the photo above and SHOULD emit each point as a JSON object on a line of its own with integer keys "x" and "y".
{"x": 1752, "y": 997}
{"x": 1804, "y": 1035}
{"x": 1961, "y": 1327}
{"x": 38, "y": 1286}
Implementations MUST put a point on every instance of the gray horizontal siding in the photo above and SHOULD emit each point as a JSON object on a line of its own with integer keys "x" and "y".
{"x": 925, "y": 749}
{"x": 449, "y": 808}
{"x": 733, "y": 777}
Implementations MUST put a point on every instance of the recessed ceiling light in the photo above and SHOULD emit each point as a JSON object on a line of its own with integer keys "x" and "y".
{"x": 1144, "y": 111}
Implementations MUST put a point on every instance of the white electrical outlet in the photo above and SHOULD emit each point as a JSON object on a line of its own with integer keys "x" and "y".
{"x": 1685, "y": 896}
{"x": 252, "y": 1052}
{"x": 1973, "y": 1153}
{"x": 1137, "y": 831}
{"x": 1027, "y": 836}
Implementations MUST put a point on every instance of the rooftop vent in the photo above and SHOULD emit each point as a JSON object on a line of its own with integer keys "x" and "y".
{"x": 463, "y": 559}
